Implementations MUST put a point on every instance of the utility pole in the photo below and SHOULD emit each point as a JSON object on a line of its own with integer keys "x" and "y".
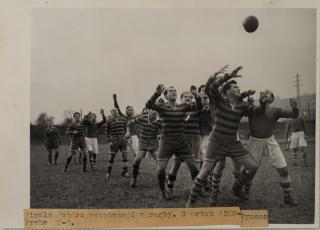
{"x": 298, "y": 91}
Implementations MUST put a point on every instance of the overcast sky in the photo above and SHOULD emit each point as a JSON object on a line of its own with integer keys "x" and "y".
{"x": 80, "y": 57}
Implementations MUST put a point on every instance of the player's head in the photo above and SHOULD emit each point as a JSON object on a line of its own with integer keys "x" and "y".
{"x": 268, "y": 94}
{"x": 152, "y": 116}
{"x": 114, "y": 112}
{"x": 205, "y": 100}
{"x": 93, "y": 117}
{"x": 186, "y": 97}
{"x": 170, "y": 93}
{"x": 77, "y": 116}
{"x": 201, "y": 90}
{"x": 231, "y": 89}
{"x": 250, "y": 100}
{"x": 129, "y": 111}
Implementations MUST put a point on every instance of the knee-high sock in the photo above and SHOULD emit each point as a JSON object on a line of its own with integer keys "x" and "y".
{"x": 69, "y": 158}
{"x": 171, "y": 180}
{"x": 94, "y": 157}
{"x": 56, "y": 155}
{"x": 196, "y": 189}
{"x": 285, "y": 183}
{"x": 135, "y": 169}
{"x": 110, "y": 162}
{"x": 50, "y": 157}
{"x": 161, "y": 180}
{"x": 216, "y": 181}
{"x": 84, "y": 162}
{"x": 295, "y": 156}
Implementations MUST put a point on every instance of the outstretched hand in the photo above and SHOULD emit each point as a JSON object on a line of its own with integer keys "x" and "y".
{"x": 160, "y": 89}
{"x": 234, "y": 73}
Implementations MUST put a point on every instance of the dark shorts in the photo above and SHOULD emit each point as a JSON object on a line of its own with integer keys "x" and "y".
{"x": 118, "y": 143}
{"x": 148, "y": 144}
{"x": 52, "y": 144}
{"x": 219, "y": 148}
{"x": 193, "y": 141}
{"x": 177, "y": 145}
{"x": 78, "y": 142}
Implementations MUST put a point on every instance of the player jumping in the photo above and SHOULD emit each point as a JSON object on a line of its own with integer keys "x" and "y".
{"x": 223, "y": 139}
{"x": 173, "y": 139}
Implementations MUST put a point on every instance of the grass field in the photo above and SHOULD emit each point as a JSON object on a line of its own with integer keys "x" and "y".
{"x": 50, "y": 188}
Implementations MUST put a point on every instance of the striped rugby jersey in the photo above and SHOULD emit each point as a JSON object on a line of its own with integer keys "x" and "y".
{"x": 173, "y": 119}
{"x": 77, "y": 126}
{"x": 52, "y": 133}
{"x": 226, "y": 118}
{"x": 116, "y": 126}
{"x": 147, "y": 130}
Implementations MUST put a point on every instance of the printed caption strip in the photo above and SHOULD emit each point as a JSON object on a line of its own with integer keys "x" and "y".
{"x": 135, "y": 218}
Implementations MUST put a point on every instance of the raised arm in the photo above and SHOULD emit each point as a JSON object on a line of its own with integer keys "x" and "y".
{"x": 216, "y": 82}
{"x": 104, "y": 119}
{"x": 107, "y": 131}
{"x": 247, "y": 93}
{"x": 288, "y": 129}
{"x": 293, "y": 113}
{"x": 151, "y": 102}
{"x": 116, "y": 105}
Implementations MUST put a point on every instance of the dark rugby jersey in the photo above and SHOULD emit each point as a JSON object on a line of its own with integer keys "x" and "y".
{"x": 173, "y": 119}
{"x": 226, "y": 118}
{"x": 191, "y": 125}
{"x": 116, "y": 126}
{"x": 261, "y": 126}
{"x": 52, "y": 133}
{"x": 77, "y": 126}
{"x": 92, "y": 128}
{"x": 296, "y": 125}
{"x": 147, "y": 130}
{"x": 205, "y": 121}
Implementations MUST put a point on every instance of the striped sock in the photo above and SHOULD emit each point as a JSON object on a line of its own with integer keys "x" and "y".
{"x": 247, "y": 187}
{"x": 196, "y": 189}
{"x": 295, "y": 157}
{"x": 285, "y": 183}
{"x": 216, "y": 182}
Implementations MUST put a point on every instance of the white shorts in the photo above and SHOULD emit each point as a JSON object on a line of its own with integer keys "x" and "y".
{"x": 204, "y": 145}
{"x": 259, "y": 148}
{"x": 92, "y": 144}
{"x": 298, "y": 140}
{"x": 133, "y": 144}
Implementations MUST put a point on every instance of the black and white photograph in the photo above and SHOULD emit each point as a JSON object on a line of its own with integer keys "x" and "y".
{"x": 159, "y": 108}
{"x": 174, "y": 107}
